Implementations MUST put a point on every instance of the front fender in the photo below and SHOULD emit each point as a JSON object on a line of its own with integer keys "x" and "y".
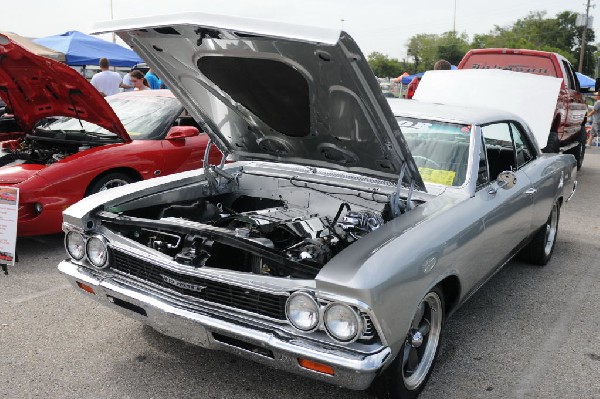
{"x": 392, "y": 268}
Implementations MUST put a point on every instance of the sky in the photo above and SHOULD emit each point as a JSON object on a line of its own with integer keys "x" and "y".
{"x": 376, "y": 25}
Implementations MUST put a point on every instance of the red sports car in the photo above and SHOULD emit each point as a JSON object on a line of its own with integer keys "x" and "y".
{"x": 78, "y": 143}
{"x": 7, "y": 196}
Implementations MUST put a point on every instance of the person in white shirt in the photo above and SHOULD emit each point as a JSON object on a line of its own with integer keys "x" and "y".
{"x": 126, "y": 84}
{"x": 105, "y": 81}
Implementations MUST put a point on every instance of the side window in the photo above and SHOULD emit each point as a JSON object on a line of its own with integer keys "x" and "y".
{"x": 575, "y": 79}
{"x": 483, "y": 176}
{"x": 569, "y": 78}
{"x": 499, "y": 148}
{"x": 522, "y": 148}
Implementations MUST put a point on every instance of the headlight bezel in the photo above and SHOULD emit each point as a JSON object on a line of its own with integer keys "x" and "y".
{"x": 84, "y": 242}
{"x": 356, "y": 317}
{"x": 104, "y": 243}
{"x": 317, "y": 309}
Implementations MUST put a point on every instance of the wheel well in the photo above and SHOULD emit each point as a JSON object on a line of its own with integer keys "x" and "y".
{"x": 127, "y": 171}
{"x": 451, "y": 289}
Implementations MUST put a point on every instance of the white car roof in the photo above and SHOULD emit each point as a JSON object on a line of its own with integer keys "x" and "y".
{"x": 449, "y": 113}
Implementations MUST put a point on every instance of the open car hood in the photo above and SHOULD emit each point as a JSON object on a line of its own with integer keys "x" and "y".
{"x": 34, "y": 87}
{"x": 273, "y": 91}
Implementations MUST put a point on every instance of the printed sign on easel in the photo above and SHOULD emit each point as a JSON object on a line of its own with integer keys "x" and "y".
{"x": 9, "y": 213}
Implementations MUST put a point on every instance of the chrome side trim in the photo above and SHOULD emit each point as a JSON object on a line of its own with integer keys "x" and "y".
{"x": 572, "y": 191}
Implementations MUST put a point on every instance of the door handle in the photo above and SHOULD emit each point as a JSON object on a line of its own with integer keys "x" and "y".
{"x": 531, "y": 191}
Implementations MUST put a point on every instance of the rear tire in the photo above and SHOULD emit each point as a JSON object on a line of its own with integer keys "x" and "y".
{"x": 579, "y": 152}
{"x": 406, "y": 377}
{"x": 553, "y": 146}
{"x": 540, "y": 249}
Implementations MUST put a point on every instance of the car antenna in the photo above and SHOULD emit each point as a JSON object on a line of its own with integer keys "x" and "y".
{"x": 71, "y": 92}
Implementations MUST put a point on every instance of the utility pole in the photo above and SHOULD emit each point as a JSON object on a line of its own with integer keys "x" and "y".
{"x": 112, "y": 17}
{"x": 454, "y": 20}
{"x": 583, "y": 38}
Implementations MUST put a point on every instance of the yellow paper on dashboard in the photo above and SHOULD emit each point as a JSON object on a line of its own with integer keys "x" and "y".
{"x": 445, "y": 177}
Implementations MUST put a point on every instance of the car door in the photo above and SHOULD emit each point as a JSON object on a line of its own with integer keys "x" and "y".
{"x": 186, "y": 153}
{"x": 575, "y": 107}
{"x": 544, "y": 181}
{"x": 505, "y": 212}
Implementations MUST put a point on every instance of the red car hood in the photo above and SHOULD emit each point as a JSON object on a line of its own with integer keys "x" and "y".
{"x": 17, "y": 174}
{"x": 35, "y": 87}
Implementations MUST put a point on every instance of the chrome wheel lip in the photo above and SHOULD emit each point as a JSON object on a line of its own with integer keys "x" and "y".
{"x": 551, "y": 230}
{"x": 113, "y": 183}
{"x": 431, "y": 342}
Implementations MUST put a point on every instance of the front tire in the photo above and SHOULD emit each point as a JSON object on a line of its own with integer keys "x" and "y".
{"x": 406, "y": 377}
{"x": 540, "y": 249}
{"x": 110, "y": 180}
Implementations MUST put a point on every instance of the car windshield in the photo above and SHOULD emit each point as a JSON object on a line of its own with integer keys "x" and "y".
{"x": 144, "y": 117}
{"x": 440, "y": 149}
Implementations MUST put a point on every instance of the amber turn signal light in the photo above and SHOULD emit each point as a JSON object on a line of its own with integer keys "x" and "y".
{"x": 319, "y": 367}
{"x": 86, "y": 288}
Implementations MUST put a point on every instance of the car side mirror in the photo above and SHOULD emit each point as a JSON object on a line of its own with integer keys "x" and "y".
{"x": 506, "y": 179}
{"x": 181, "y": 132}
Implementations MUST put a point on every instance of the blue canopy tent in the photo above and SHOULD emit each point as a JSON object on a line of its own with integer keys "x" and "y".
{"x": 81, "y": 49}
{"x": 585, "y": 81}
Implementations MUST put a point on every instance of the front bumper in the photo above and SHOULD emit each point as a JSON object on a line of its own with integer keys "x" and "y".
{"x": 246, "y": 339}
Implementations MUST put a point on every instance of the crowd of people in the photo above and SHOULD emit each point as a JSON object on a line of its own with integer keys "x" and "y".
{"x": 108, "y": 82}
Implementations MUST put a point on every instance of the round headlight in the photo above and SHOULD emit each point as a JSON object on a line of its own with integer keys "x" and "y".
{"x": 342, "y": 322}
{"x": 302, "y": 311}
{"x": 96, "y": 251}
{"x": 75, "y": 244}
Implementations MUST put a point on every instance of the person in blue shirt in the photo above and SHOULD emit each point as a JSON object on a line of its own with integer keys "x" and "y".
{"x": 153, "y": 80}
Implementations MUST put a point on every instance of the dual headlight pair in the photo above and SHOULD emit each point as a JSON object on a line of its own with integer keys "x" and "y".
{"x": 342, "y": 322}
{"x": 93, "y": 248}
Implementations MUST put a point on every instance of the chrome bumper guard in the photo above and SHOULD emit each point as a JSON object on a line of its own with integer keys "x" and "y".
{"x": 281, "y": 351}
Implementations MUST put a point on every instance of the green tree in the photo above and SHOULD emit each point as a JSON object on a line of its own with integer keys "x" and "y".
{"x": 386, "y": 67}
{"x": 426, "y": 49}
{"x": 536, "y": 32}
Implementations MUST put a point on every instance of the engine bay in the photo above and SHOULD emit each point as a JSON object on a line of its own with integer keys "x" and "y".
{"x": 46, "y": 150}
{"x": 259, "y": 235}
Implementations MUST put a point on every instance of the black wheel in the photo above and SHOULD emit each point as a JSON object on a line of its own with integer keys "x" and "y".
{"x": 109, "y": 180}
{"x": 540, "y": 249}
{"x": 553, "y": 145}
{"x": 408, "y": 373}
{"x": 579, "y": 151}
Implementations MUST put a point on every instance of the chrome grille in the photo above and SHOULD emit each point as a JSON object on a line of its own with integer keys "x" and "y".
{"x": 266, "y": 304}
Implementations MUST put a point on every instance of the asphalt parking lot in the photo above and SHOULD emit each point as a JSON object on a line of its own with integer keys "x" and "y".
{"x": 530, "y": 332}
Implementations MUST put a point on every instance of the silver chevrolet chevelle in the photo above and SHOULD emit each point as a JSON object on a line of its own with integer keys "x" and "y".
{"x": 347, "y": 229}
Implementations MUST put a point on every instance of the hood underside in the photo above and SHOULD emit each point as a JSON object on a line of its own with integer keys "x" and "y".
{"x": 274, "y": 91}
{"x": 34, "y": 87}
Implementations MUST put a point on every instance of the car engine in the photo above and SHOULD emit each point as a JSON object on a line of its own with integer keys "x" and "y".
{"x": 35, "y": 151}
{"x": 274, "y": 240}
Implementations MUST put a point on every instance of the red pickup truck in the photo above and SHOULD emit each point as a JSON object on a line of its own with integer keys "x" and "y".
{"x": 567, "y": 132}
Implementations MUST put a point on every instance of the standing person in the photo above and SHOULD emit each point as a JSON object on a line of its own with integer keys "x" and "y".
{"x": 414, "y": 84}
{"x": 442, "y": 65}
{"x": 105, "y": 81}
{"x": 153, "y": 80}
{"x": 595, "y": 115}
{"x": 138, "y": 81}
{"x": 126, "y": 83}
